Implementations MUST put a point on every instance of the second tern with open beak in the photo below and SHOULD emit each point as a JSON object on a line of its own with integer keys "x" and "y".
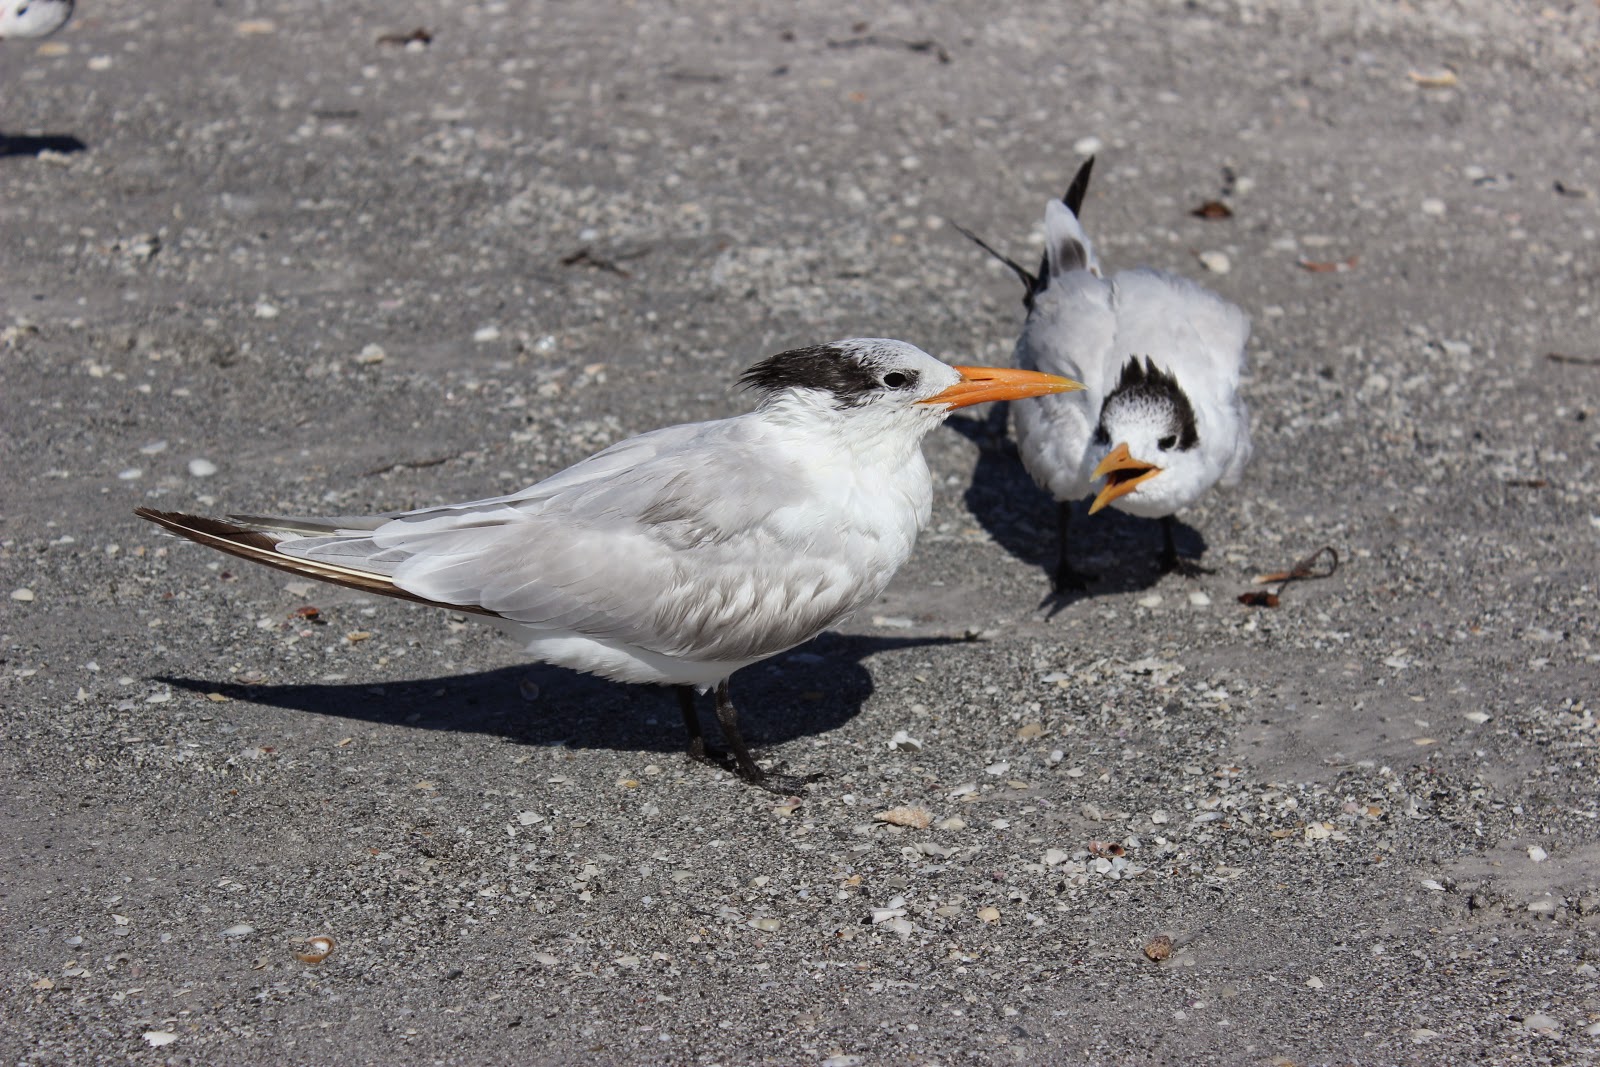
{"x": 1160, "y": 417}
{"x": 681, "y": 555}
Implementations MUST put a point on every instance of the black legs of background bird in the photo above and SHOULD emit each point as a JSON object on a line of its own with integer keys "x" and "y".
{"x": 1068, "y": 579}
{"x": 740, "y": 762}
{"x": 1170, "y": 560}
{"x": 1169, "y": 545}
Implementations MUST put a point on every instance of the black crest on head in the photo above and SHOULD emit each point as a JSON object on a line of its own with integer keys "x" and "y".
{"x": 828, "y": 368}
{"x": 1149, "y": 385}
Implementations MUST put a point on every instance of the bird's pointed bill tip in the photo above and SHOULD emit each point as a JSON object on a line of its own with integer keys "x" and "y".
{"x": 979, "y": 385}
{"x": 1123, "y": 474}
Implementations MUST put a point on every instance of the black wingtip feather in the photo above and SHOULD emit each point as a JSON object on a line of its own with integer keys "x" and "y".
{"x": 258, "y": 547}
{"x": 207, "y": 530}
{"x": 1034, "y": 283}
{"x": 1030, "y": 281}
{"x": 1075, "y": 193}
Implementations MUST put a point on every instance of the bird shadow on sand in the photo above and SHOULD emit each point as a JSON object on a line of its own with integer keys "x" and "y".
{"x": 1120, "y": 550}
{"x": 801, "y": 693}
{"x": 16, "y": 144}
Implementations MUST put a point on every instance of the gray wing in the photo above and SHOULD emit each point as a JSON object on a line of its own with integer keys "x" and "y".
{"x": 662, "y": 541}
{"x": 1069, "y": 332}
{"x": 1233, "y": 470}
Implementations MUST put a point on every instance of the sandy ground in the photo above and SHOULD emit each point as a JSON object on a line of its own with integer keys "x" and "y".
{"x": 253, "y": 259}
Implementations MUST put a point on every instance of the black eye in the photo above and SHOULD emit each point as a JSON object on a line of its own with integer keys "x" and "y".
{"x": 1100, "y": 436}
{"x": 895, "y": 380}
{"x": 1167, "y": 442}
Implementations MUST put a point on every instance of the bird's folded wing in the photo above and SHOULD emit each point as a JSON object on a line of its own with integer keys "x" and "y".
{"x": 308, "y": 526}
{"x": 341, "y": 539}
{"x": 1070, "y": 332}
{"x": 683, "y": 542}
{"x": 1242, "y": 448}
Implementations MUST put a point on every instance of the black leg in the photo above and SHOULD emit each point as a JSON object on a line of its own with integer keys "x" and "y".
{"x": 691, "y": 723}
{"x": 1170, "y": 560}
{"x": 1169, "y": 545}
{"x": 1068, "y": 579}
{"x": 744, "y": 763}
{"x": 698, "y": 749}
{"x": 728, "y": 716}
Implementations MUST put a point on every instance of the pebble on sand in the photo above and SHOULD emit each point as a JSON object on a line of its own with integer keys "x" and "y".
{"x": 904, "y": 741}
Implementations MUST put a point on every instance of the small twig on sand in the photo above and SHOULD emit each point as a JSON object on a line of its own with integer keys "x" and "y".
{"x": 874, "y": 40}
{"x": 400, "y": 40}
{"x": 410, "y": 464}
{"x": 1577, "y": 361}
{"x": 1306, "y": 568}
{"x": 588, "y": 257}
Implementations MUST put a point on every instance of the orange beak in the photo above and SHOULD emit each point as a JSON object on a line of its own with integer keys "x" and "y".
{"x": 1123, "y": 474}
{"x": 979, "y": 385}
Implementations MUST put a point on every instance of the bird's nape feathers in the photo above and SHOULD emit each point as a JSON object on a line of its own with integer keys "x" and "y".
{"x": 827, "y": 368}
